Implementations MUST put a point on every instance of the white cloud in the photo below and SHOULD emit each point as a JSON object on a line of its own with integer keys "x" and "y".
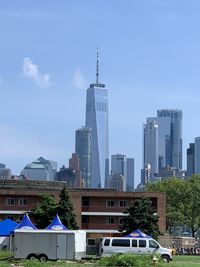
{"x": 79, "y": 80}
{"x": 31, "y": 70}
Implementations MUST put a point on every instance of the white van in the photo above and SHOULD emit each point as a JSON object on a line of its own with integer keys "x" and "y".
{"x": 113, "y": 245}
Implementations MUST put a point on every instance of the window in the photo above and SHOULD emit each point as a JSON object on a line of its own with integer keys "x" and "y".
{"x": 23, "y": 201}
{"x": 123, "y": 203}
{"x": 85, "y": 201}
{"x": 121, "y": 243}
{"x": 110, "y": 220}
{"x": 121, "y": 220}
{"x": 110, "y": 203}
{"x": 10, "y": 201}
{"x": 107, "y": 242}
{"x": 85, "y": 219}
{"x": 153, "y": 244}
{"x": 142, "y": 243}
{"x": 91, "y": 241}
{"x": 134, "y": 243}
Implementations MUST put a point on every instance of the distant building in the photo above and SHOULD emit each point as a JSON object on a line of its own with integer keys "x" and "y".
{"x": 130, "y": 174}
{"x": 5, "y": 173}
{"x": 191, "y": 160}
{"x": 97, "y": 120}
{"x": 71, "y": 175}
{"x": 168, "y": 172}
{"x": 83, "y": 149}
{"x": 197, "y": 156}
{"x": 40, "y": 169}
{"x": 162, "y": 141}
{"x": 117, "y": 181}
{"x": 66, "y": 175}
{"x": 146, "y": 174}
{"x": 74, "y": 164}
{"x": 121, "y": 165}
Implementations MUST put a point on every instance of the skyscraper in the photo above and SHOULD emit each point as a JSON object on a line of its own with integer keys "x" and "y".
{"x": 197, "y": 156}
{"x": 97, "y": 120}
{"x": 83, "y": 149}
{"x": 191, "y": 159}
{"x": 130, "y": 177}
{"x": 172, "y": 127}
{"x": 150, "y": 147}
{"x": 162, "y": 139}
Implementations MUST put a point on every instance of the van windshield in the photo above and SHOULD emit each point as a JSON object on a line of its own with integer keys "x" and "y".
{"x": 153, "y": 244}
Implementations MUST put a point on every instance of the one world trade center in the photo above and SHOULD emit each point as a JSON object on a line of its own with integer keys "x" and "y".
{"x": 97, "y": 120}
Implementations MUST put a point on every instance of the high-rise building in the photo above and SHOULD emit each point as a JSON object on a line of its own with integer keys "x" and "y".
{"x": 118, "y": 182}
{"x": 118, "y": 165}
{"x": 191, "y": 159}
{"x": 150, "y": 147}
{"x": 5, "y": 173}
{"x": 162, "y": 142}
{"x": 97, "y": 120}
{"x": 83, "y": 149}
{"x": 130, "y": 174}
{"x": 170, "y": 123}
{"x": 197, "y": 156}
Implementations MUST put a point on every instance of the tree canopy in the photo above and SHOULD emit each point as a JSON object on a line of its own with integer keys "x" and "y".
{"x": 45, "y": 212}
{"x": 141, "y": 216}
{"x": 183, "y": 201}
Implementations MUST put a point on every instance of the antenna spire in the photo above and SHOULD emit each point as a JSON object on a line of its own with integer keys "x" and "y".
{"x": 97, "y": 67}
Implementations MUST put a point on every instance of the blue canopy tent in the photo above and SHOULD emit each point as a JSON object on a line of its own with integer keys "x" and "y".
{"x": 26, "y": 224}
{"x": 7, "y": 226}
{"x": 138, "y": 233}
{"x": 56, "y": 224}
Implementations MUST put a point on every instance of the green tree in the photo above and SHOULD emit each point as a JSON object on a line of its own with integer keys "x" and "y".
{"x": 175, "y": 196}
{"x": 141, "y": 216}
{"x": 44, "y": 213}
{"x": 65, "y": 210}
{"x": 183, "y": 201}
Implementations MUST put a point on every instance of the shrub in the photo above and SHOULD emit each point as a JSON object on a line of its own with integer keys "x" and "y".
{"x": 126, "y": 260}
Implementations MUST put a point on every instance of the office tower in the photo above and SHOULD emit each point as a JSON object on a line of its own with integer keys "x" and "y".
{"x": 118, "y": 182}
{"x": 40, "y": 169}
{"x": 118, "y": 165}
{"x": 191, "y": 159}
{"x": 170, "y": 125}
{"x": 150, "y": 145}
{"x": 74, "y": 165}
{"x": 130, "y": 177}
{"x": 83, "y": 149}
{"x": 97, "y": 120}
{"x": 162, "y": 142}
{"x": 197, "y": 156}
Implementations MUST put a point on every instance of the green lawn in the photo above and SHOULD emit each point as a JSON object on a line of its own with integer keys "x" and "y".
{"x": 178, "y": 261}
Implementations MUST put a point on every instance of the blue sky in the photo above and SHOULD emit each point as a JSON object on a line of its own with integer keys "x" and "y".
{"x": 149, "y": 59}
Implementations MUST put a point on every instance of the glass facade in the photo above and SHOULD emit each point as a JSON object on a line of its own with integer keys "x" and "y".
{"x": 97, "y": 120}
{"x": 83, "y": 148}
{"x": 171, "y": 121}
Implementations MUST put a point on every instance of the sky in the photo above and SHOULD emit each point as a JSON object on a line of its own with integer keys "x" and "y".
{"x": 149, "y": 59}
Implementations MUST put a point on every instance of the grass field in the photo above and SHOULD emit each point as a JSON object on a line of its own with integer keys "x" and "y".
{"x": 178, "y": 261}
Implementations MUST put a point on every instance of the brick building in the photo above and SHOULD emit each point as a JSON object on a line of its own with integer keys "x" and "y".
{"x": 100, "y": 209}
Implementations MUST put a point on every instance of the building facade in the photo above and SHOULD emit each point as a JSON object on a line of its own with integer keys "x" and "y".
{"x": 95, "y": 209}
{"x": 130, "y": 174}
{"x": 83, "y": 149}
{"x": 5, "y": 173}
{"x": 170, "y": 122}
{"x": 191, "y": 159}
{"x": 40, "y": 169}
{"x": 162, "y": 141}
{"x": 97, "y": 120}
{"x": 197, "y": 156}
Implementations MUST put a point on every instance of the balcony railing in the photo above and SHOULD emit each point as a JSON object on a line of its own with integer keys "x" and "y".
{"x": 95, "y": 208}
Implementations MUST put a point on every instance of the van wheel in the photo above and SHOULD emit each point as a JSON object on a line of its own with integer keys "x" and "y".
{"x": 32, "y": 257}
{"x": 165, "y": 258}
{"x": 43, "y": 258}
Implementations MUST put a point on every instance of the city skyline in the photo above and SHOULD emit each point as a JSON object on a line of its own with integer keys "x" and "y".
{"x": 149, "y": 60}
